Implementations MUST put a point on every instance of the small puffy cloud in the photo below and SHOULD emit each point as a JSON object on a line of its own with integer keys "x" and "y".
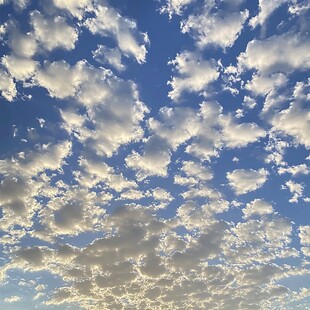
{"x": 239, "y": 135}
{"x": 262, "y": 85}
{"x": 12, "y": 299}
{"x": 132, "y": 194}
{"x": 201, "y": 191}
{"x": 196, "y": 170}
{"x": 22, "y": 45}
{"x": 58, "y": 79}
{"x": 75, "y": 7}
{"x": 249, "y": 102}
{"x": 257, "y": 207}
{"x": 194, "y": 74}
{"x": 296, "y": 189}
{"x": 46, "y": 156}
{"x": 94, "y": 171}
{"x": 7, "y": 86}
{"x": 53, "y": 33}
{"x": 110, "y": 56}
{"x": 161, "y": 194}
{"x": 172, "y": 7}
{"x": 243, "y": 181}
{"x": 175, "y": 125}
{"x": 304, "y": 235}
{"x": 294, "y": 121}
{"x": 295, "y": 170}
{"x": 113, "y": 105}
{"x": 215, "y": 28}
{"x": 19, "y": 68}
{"x": 154, "y": 160}
{"x": 108, "y": 22}
{"x": 266, "y": 8}
{"x": 278, "y": 53}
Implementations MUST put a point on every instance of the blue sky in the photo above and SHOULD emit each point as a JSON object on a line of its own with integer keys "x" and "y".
{"x": 154, "y": 154}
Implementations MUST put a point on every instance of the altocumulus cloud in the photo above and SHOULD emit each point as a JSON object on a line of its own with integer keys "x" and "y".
{"x": 140, "y": 172}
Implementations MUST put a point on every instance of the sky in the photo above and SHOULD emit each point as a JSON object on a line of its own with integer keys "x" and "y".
{"x": 154, "y": 154}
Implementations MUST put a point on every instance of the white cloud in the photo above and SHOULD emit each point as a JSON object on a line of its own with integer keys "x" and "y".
{"x": 294, "y": 121}
{"x": 304, "y": 235}
{"x": 262, "y": 85}
{"x": 266, "y": 8}
{"x": 7, "y": 86}
{"x": 296, "y": 189}
{"x": 257, "y": 207}
{"x": 53, "y": 33}
{"x": 175, "y": 6}
{"x": 215, "y": 28}
{"x": 279, "y": 53}
{"x": 12, "y": 299}
{"x": 154, "y": 160}
{"x": 239, "y": 135}
{"x": 132, "y": 194}
{"x": 175, "y": 125}
{"x": 59, "y": 79}
{"x": 192, "y": 169}
{"x": 113, "y": 105}
{"x": 243, "y": 181}
{"x": 194, "y": 74}
{"x": 22, "y": 45}
{"x": 111, "y": 56}
{"x": 19, "y": 68}
{"x": 161, "y": 194}
{"x": 249, "y": 102}
{"x": 108, "y": 22}
{"x": 75, "y": 7}
{"x": 23, "y": 179}
{"x": 295, "y": 170}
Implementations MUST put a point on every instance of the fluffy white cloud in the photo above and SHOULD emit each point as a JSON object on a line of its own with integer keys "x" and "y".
{"x": 59, "y": 79}
{"x": 175, "y": 6}
{"x": 295, "y": 170}
{"x": 108, "y": 22}
{"x": 257, "y": 207}
{"x": 266, "y": 8}
{"x": 22, "y": 45}
{"x": 278, "y": 53}
{"x": 192, "y": 169}
{"x": 243, "y": 181}
{"x": 304, "y": 235}
{"x": 194, "y": 74}
{"x": 154, "y": 160}
{"x": 75, "y": 7}
{"x": 111, "y": 56}
{"x": 113, "y": 105}
{"x": 262, "y": 85}
{"x": 215, "y": 28}
{"x": 53, "y": 33}
{"x": 23, "y": 179}
{"x": 296, "y": 189}
{"x": 7, "y": 86}
{"x": 19, "y": 68}
{"x": 239, "y": 135}
{"x": 294, "y": 121}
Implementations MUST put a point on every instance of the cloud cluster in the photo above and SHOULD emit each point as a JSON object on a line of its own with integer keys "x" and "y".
{"x": 111, "y": 198}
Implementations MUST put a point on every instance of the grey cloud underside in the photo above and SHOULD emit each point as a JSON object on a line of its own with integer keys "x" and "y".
{"x": 128, "y": 210}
